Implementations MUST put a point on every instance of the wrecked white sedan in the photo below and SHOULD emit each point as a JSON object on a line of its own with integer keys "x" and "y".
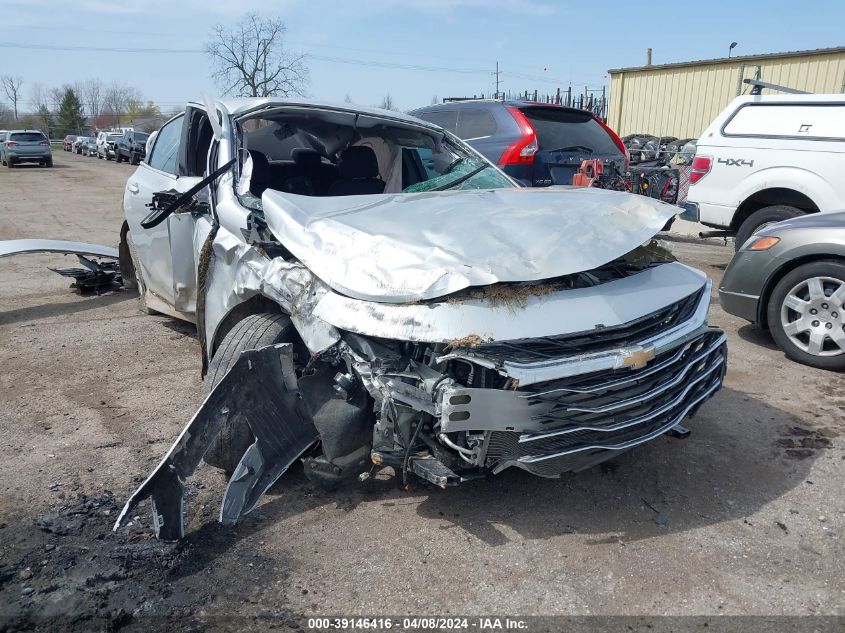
{"x": 369, "y": 290}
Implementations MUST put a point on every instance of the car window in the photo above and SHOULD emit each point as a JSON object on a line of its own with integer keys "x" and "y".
{"x": 447, "y": 119}
{"x": 805, "y": 121}
{"x": 557, "y": 128}
{"x": 27, "y": 137}
{"x": 475, "y": 123}
{"x": 166, "y": 148}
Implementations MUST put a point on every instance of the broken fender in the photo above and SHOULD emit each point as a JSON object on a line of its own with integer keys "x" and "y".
{"x": 261, "y": 388}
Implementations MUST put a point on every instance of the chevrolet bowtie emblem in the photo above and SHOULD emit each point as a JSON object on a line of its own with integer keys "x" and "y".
{"x": 637, "y": 358}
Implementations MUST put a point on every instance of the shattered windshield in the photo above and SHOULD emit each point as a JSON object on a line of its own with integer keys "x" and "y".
{"x": 327, "y": 153}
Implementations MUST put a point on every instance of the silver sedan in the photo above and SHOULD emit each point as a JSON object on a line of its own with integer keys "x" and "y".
{"x": 790, "y": 278}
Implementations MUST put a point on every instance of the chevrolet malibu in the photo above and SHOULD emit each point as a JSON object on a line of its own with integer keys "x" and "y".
{"x": 369, "y": 290}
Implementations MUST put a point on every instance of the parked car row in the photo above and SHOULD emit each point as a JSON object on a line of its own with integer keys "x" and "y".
{"x": 129, "y": 146}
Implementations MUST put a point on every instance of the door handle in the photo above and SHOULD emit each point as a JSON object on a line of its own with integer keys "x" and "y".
{"x": 133, "y": 188}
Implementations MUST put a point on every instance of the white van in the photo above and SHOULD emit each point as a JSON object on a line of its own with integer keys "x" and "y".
{"x": 768, "y": 158}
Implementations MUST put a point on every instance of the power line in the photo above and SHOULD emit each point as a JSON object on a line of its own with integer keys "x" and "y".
{"x": 193, "y": 51}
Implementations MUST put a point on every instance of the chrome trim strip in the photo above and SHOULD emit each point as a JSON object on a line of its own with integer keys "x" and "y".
{"x": 532, "y": 437}
{"x": 529, "y": 459}
{"x": 619, "y": 404}
{"x": 611, "y": 383}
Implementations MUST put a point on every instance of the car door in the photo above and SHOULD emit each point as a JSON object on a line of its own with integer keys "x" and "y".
{"x": 171, "y": 241}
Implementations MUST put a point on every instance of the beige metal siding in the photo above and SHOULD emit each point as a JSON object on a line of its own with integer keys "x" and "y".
{"x": 682, "y": 100}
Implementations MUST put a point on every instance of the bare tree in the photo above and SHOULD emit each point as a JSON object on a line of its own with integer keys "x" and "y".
{"x": 91, "y": 92}
{"x": 250, "y": 59}
{"x": 39, "y": 97}
{"x": 387, "y": 103}
{"x": 55, "y": 96}
{"x": 12, "y": 88}
{"x": 116, "y": 100}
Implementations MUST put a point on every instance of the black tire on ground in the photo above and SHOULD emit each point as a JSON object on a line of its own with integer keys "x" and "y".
{"x": 761, "y": 217}
{"x": 255, "y": 331}
{"x": 49, "y": 163}
{"x": 117, "y": 158}
{"x": 825, "y": 268}
{"x": 9, "y": 163}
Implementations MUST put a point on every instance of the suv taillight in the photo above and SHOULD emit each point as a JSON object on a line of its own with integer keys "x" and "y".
{"x": 700, "y": 168}
{"x": 618, "y": 141}
{"x": 43, "y": 142}
{"x": 11, "y": 143}
{"x": 521, "y": 151}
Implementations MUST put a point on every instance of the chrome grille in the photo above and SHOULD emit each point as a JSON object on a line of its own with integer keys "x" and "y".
{"x": 586, "y": 416}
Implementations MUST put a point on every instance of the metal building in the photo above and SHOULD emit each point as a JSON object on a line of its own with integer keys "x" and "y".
{"x": 681, "y": 99}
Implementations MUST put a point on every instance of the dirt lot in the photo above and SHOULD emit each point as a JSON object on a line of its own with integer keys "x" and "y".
{"x": 747, "y": 516}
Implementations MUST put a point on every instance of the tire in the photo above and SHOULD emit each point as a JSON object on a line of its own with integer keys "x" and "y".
{"x": 798, "y": 343}
{"x": 117, "y": 158}
{"x": 255, "y": 331}
{"x": 49, "y": 163}
{"x": 762, "y": 217}
{"x": 9, "y": 163}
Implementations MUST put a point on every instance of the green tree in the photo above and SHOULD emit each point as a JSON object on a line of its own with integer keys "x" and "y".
{"x": 137, "y": 109}
{"x": 71, "y": 119}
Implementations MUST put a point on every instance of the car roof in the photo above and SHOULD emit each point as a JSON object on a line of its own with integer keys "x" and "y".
{"x": 28, "y": 131}
{"x": 243, "y": 105}
{"x": 517, "y": 103}
{"x": 791, "y": 98}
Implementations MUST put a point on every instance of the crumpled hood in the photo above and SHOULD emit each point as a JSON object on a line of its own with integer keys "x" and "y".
{"x": 403, "y": 247}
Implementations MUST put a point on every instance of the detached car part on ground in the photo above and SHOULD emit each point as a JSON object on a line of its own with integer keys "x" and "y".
{"x": 790, "y": 278}
{"x": 367, "y": 289}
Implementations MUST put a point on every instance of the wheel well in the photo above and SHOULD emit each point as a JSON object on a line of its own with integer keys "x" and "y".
{"x": 779, "y": 274}
{"x": 769, "y": 197}
{"x": 254, "y": 305}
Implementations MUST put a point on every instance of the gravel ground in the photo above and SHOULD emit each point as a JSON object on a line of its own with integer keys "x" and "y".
{"x": 744, "y": 517}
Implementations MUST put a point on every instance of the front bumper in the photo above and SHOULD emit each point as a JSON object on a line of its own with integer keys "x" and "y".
{"x": 741, "y": 305}
{"x": 570, "y": 424}
{"x": 744, "y": 282}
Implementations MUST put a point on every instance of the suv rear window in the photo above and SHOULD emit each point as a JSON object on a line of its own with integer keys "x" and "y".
{"x": 557, "y": 128}
{"x": 475, "y": 123}
{"x": 27, "y": 137}
{"x": 447, "y": 119}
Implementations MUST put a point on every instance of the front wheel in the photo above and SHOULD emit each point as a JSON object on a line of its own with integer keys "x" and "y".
{"x": 806, "y": 314}
{"x": 255, "y": 331}
{"x": 762, "y": 218}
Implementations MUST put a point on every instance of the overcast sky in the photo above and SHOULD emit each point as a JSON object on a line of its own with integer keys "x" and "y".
{"x": 539, "y": 44}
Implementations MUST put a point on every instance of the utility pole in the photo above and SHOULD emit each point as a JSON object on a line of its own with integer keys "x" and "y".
{"x": 497, "y": 80}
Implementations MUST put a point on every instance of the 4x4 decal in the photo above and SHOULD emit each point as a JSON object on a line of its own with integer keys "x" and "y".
{"x": 736, "y": 162}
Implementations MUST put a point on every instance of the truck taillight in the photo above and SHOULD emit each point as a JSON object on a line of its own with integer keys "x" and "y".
{"x": 521, "y": 151}
{"x": 700, "y": 168}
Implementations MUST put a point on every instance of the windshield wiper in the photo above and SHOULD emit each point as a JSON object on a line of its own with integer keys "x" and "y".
{"x": 463, "y": 178}
{"x": 573, "y": 148}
